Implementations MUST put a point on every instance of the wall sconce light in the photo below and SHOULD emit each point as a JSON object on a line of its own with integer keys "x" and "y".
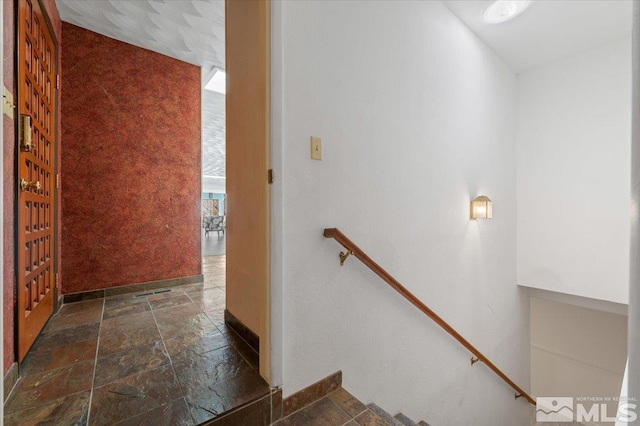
{"x": 481, "y": 208}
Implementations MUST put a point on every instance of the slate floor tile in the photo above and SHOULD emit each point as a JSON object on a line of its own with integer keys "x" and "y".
{"x": 143, "y": 319}
{"x": 215, "y": 293}
{"x": 124, "y": 299}
{"x": 216, "y": 315}
{"x": 211, "y": 301}
{"x": 129, "y": 362}
{"x": 40, "y": 360}
{"x": 168, "y": 302}
{"x": 60, "y": 322}
{"x": 134, "y": 395}
{"x": 215, "y": 399}
{"x": 200, "y": 371}
{"x": 66, "y": 336}
{"x": 126, "y": 309}
{"x": 194, "y": 288}
{"x": 175, "y": 413}
{"x": 182, "y": 311}
{"x": 74, "y": 308}
{"x": 173, "y": 327}
{"x": 125, "y": 338}
{"x": 198, "y": 343}
{"x": 162, "y": 359}
{"x": 72, "y": 410}
{"x": 43, "y": 388}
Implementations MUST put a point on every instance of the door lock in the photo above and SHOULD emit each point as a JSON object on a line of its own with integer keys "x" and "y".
{"x": 26, "y": 133}
{"x": 26, "y": 185}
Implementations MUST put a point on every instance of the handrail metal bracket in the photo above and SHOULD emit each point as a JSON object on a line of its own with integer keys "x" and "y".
{"x": 518, "y": 395}
{"x": 474, "y": 360}
{"x": 343, "y": 256}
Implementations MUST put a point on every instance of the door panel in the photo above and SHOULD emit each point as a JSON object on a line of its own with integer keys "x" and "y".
{"x": 36, "y": 176}
{"x": 248, "y": 132}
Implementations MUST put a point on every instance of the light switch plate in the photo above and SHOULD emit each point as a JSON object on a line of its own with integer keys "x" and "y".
{"x": 7, "y": 102}
{"x": 316, "y": 148}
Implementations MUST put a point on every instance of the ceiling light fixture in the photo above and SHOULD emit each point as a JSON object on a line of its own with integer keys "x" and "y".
{"x": 503, "y": 10}
{"x": 217, "y": 82}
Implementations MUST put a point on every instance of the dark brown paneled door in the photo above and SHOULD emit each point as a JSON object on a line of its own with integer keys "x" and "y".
{"x": 36, "y": 176}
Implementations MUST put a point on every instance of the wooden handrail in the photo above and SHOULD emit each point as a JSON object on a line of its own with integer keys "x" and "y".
{"x": 353, "y": 249}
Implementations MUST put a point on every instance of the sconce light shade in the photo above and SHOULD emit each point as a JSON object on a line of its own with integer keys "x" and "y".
{"x": 481, "y": 208}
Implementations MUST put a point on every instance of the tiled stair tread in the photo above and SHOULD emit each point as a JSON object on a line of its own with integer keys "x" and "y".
{"x": 341, "y": 408}
{"x": 369, "y": 418}
{"x": 406, "y": 421}
{"x": 386, "y": 416}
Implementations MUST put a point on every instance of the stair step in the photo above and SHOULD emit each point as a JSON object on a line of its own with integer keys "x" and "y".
{"x": 369, "y": 418}
{"x": 406, "y": 421}
{"x": 423, "y": 423}
{"x": 391, "y": 421}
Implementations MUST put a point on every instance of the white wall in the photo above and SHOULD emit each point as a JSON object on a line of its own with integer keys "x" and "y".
{"x": 634, "y": 292}
{"x": 417, "y": 117}
{"x": 577, "y": 351}
{"x": 573, "y": 171}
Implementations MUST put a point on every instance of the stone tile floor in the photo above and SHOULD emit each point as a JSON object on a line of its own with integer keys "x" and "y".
{"x": 215, "y": 244}
{"x": 164, "y": 359}
{"x": 339, "y": 408}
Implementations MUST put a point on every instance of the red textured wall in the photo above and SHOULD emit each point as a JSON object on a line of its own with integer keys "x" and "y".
{"x": 130, "y": 164}
{"x": 9, "y": 172}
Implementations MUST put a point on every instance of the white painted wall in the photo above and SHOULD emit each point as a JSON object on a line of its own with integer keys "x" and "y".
{"x": 417, "y": 117}
{"x": 574, "y": 121}
{"x": 622, "y": 419}
{"x": 634, "y": 289}
{"x": 577, "y": 351}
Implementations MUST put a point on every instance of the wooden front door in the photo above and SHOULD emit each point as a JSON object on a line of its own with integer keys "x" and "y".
{"x": 36, "y": 176}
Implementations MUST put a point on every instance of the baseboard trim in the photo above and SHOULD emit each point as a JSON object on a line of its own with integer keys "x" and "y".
{"x": 10, "y": 380}
{"x": 311, "y": 393}
{"x": 242, "y": 330}
{"x": 133, "y": 288}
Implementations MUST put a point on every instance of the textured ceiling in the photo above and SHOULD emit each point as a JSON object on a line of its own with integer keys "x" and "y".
{"x": 189, "y": 30}
{"x": 548, "y": 31}
{"x": 213, "y": 133}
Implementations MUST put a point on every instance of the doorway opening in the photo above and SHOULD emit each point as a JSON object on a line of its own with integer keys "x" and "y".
{"x": 214, "y": 202}
{"x": 136, "y": 330}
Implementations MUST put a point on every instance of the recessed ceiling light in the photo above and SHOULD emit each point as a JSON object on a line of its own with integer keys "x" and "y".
{"x": 503, "y": 10}
{"x": 218, "y": 82}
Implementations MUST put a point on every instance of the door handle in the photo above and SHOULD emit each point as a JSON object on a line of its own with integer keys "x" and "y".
{"x": 26, "y": 186}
